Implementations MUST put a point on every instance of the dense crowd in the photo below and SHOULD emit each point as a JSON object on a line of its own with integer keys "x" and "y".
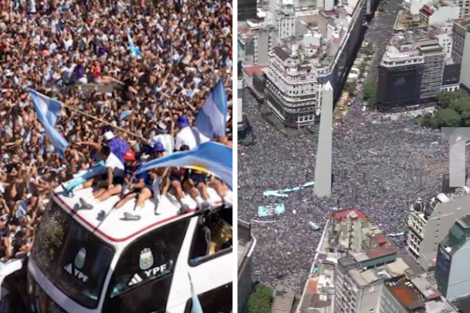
{"x": 146, "y": 99}
{"x": 380, "y": 167}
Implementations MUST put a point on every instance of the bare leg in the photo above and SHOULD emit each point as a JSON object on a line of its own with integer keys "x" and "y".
{"x": 144, "y": 195}
{"x": 219, "y": 187}
{"x": 126, "y": 199}
{"x": 188, "y": 185}
{"x": 179, "y": 189}
{"x": 109, "y": 193}
{"x": 203, "y": 191}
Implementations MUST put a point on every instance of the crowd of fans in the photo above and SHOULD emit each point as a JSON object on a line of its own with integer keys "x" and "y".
{"x": 379, "y": 167}
{"x": 79, "y": 53}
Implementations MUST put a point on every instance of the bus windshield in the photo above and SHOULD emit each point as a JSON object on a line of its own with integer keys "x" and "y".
{"x": 71, "y": 257}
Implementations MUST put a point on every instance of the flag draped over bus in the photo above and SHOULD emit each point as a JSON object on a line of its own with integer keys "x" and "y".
{"x": 48, "y": 111}
{"x": 210, "y": 157}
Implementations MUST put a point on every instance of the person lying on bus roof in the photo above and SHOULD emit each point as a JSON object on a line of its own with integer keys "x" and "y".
{"x": 106, "y": 182}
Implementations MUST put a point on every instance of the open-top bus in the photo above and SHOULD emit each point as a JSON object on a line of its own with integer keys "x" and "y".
{"x": 82, "y": 262}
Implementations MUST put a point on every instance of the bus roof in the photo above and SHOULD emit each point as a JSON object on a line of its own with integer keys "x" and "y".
{"x": 114, "y": 228}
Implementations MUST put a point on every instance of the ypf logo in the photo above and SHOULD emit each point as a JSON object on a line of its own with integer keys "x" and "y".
{"x": 457, "y": 138}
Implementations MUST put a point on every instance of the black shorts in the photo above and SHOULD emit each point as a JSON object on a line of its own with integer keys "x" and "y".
{"x": 198, "y": 178}
{"x": 175, "y": 177}
{"x": 117, "y": 180}
{"x": 138, "y": 191}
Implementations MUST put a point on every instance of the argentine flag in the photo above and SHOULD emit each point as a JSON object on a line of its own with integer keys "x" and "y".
{"x": 48, "y": 111}
{"x": 196, "y": 307}
{"x": 212, "y": 118}
{"x": 134, "y": 50}
{"x": 210, "y": 157}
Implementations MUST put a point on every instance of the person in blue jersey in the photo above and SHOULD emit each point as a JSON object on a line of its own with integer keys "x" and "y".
{"x": 118, "y": 146}
{"x": 138, "y": 186}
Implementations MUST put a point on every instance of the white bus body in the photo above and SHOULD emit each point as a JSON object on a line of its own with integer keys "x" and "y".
{"x": 146, "y": 262}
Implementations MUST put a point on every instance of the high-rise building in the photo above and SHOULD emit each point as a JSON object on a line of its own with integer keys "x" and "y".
{"x": 298, "y": 68}
{"x": 246, "y": 10}
{"x": 461, "y": 49}
{"x": 429, "y": 223}
{"x": 246, "y": 245}
{"x": 452, "y": 266}
{"x": 410, "y": 73}
{"x": 412, "y": 295}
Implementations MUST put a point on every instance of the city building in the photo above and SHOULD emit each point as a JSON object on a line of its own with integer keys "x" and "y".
{"x": 461, "y": 48}
{"x": 242, "y": 120}
{"x": 452, "y": 266}
{"x": 359, "y": 277}
{"x": 246, "y": 9}
{"x": 410, "y": 73}
{"x": 321, "y": 51}
{"x": 429, "y": 223}
{"x": 255, "y": 40}
{"x": 246, "y": 245}
{"x": 404, "y": 294}
{"x": 439, "y": 12}
{"x": 443, "y": 33}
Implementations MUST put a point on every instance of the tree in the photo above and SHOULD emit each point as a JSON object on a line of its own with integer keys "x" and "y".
{"x": 445, "y": 98}
{"x": 260, "y": 300}
{"x": 352, "y": 89}
{"x": 370, "y": 92}
{"x": 446, "y": 118}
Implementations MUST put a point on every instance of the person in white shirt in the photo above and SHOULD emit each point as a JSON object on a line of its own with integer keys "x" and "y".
{"x": 108, "y": 182}
{"x": 164, "y": 138}
{"x": 188, "y": 136}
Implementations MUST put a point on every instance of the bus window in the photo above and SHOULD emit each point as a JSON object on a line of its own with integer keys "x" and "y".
{"x": 213, "y": 236}
{"x": 218, "y": 300}
{"x": 71, "y": 257}
{"x": 141, "y": 281}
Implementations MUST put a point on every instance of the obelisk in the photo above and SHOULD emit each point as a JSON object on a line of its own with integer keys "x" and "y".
{"x": 325, "y": 138}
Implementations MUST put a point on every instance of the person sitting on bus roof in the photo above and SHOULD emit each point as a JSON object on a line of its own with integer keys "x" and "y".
{"x": 222, "y": 190}
{"x": 174, "y": 181}
{"x": 142, "y": 189}
{"x": 130, "y": 167}
{"x": 107, "y": 182}
{"x": 195, "y": 183}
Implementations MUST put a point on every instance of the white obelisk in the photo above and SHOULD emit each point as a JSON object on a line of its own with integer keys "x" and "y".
{"x": 325, "y": 138}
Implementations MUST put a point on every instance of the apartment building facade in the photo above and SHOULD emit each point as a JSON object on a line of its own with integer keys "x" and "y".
{"x": 298, "y": 70}
{"x": 429, "y": 223}
{"x": 452, "y": 274}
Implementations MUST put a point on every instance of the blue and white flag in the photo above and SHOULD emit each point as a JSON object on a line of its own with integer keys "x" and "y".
{"x": 48, "y": 111}
{"x": 196, "y": 307}
{"x": 209, "y": 157}
{"x": 212, "y": 118}
{"x": 134, "y": 50}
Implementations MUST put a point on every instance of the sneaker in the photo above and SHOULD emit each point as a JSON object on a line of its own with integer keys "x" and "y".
{"x": 66, "y": 191}
{"x": 183, "y": 209}
{"x": 85, "y": 205}
{"x": 213, "y": 205}
{"x": 131, "y": 217}
{"x": 205, "y": 206}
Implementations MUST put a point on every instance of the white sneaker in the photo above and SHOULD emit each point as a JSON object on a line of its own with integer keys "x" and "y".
{"x": 228, "y": 201}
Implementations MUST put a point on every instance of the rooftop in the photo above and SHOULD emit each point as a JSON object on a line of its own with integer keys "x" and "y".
{"x": 458, "y": 235}
{"x": 114, "y": 228}
{"x": 351, "y": 213}
{"x": 406, "y": 294}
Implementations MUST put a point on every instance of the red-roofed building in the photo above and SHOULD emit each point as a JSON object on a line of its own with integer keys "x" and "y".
{"x": 342, "y": 214}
